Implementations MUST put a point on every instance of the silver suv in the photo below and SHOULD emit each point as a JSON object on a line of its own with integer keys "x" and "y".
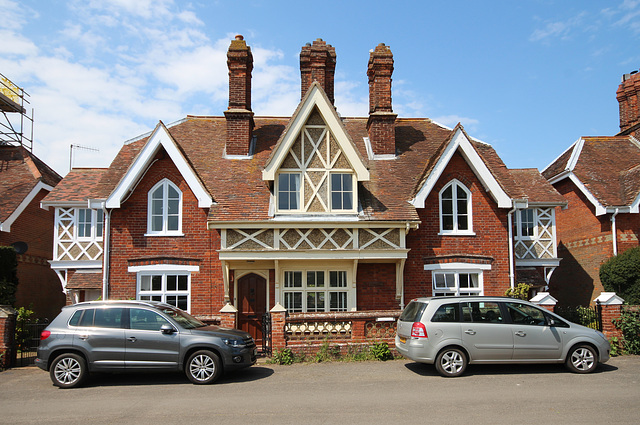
{"x": 452, "y": 332}
{"x": 104, "y": 336}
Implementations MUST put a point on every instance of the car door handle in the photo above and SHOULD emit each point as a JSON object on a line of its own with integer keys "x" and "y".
{"x": 470, "y": 332}
{"x": 132, "y": 339}
{"x": 83, "y": 337}
{"x": 521, "y": 333}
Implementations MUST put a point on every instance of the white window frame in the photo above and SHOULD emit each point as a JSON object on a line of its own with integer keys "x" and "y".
{"x": 456, "y": 290}
{"x": 327, "y": 289}
{"x": 93, "y": 225}
{"x": 519, "y": 223}
{"x": 352, "y": 192}
{"x": 165, "y": 184}
{"x": 163, "y": 292}
{"x": 454, "y": 185}
{"x": 300, "y": 191}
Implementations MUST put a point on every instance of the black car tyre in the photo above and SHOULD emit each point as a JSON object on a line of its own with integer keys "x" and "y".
{"x": 203, "y": 367}
{"x": 68, "y": 370}
{"x": 451, "y": 362}
{"x": 582, "y": 358}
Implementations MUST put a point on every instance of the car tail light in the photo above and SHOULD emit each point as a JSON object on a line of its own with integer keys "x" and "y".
{"x": 418, "y": 330}
{"x": 44, "y": 335}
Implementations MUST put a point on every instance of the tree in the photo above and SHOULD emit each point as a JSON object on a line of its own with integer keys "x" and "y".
{"x": 8, "y": 275}
{"x": 621, "y": 274}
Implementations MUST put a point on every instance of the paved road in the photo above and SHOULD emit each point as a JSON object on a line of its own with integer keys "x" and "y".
{"x": 366, "y": 392}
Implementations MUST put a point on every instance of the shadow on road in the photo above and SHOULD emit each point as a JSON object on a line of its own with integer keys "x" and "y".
{"x": 503, "y": 369}
{"x": 253, "y": 373}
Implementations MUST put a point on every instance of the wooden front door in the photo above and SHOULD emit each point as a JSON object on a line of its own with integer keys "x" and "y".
{"x": 252, "y": 304}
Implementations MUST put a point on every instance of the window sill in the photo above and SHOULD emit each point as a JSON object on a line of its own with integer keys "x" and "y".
{"x": 154, "y": 235}
{"x": 457, "y": 234}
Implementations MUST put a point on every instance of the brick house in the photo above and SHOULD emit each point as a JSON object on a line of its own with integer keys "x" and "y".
{"x": 24, "y": 182}
{"x": 600, "y": 178}
{"x": 315, "y": 213}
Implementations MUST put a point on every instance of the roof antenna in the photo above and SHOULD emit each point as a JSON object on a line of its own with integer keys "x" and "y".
{"x": 72, "y": 147}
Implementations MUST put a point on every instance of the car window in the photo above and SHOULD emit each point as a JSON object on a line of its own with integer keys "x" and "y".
{"x": 412, "y": 312}
{"x": 447, "y": 313}
{"x": 481, "y": 312}
{"x": 524, "y": 314}
{"x": 87, "y": 317}
{"x": 142, "y": 319}
{"x": 108, "y": 318}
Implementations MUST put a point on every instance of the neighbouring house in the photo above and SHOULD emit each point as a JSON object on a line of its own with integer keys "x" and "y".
{"x": 600, "y": 178}
{"x": 326, "y": 216}
{"x": 24, "y": 181}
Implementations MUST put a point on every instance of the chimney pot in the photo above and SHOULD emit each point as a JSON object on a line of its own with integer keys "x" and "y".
{"x": 318, "y": 63}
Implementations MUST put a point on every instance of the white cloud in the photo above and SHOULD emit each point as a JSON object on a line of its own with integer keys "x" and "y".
{"x": 558, "y": 29}
{"x": 470, "y": 124}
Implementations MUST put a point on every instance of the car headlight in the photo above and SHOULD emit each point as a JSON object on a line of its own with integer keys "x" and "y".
{"x": 235, "y": 343}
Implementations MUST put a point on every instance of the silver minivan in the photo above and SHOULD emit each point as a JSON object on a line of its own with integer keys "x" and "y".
{"x": 452, "y": 332}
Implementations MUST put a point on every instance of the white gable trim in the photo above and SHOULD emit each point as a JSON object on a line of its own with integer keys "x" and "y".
{"x": 5, "y": 226}
{"x": 160, "y": 137}
{"x": 565, "y": 151}
{"x": 460, "y": 141}
{"x": 315, "y": 97}
{"x": 600, "y": 209}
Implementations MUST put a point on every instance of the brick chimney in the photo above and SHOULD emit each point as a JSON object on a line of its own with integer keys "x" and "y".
{"x": 239, "y": 116}
{"x": 318, "y": 63}
{"x": 381, "y": 123}
{"x": 627, "y": 96}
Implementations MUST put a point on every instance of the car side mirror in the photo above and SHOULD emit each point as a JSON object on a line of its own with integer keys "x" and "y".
{"x": 167, "y": 329}
{"x": 552, "y": 322}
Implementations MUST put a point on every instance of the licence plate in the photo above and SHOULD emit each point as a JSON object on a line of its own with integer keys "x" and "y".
{"x": 403, "y": 339}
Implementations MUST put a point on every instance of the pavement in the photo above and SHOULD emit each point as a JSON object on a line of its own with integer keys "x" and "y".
{"x": 337, "y": 392}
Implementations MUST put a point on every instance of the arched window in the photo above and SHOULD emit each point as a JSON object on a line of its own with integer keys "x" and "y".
{"x": 455, "y": 209}
{"x": 164, "y": 209}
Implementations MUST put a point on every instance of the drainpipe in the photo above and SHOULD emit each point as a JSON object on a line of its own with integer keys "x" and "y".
{"x": 105, "y": 254}
{"x": 511, "y": 259}
{"x": 613, "y": 232}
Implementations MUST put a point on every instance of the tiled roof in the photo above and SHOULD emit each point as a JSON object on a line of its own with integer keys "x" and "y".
{"x": 536, "y": 188}
{"x": 607, "y": 166}
{"x": 79, "y": 185}
{"x": 20, "y": 172}
{"x": 85, "y": 281}
{"x": 239, "y": 192}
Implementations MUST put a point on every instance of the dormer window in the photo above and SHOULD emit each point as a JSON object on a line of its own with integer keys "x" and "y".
{"x": 455, "y": 209}
{"x": 164, "y": 209}
{"x": 90, "y": 223}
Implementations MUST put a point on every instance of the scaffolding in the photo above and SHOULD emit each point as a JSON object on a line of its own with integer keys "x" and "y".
{"x": 16, "y": 126}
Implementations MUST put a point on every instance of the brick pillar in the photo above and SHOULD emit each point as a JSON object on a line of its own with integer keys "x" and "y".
{"x": 611, "y": 309}
{"x": 228, "y": 316}
{"x": 357, "y": 329}
{"x": 544, "y": 300}
{"x": 318, "y": 63}
{"x": 278, "y": 321}
{"x": 7, "y": 336}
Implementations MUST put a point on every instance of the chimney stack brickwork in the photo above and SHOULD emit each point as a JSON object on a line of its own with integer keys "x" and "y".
{"x": 318, "y": 63}
{"x": 381, "y": 124}
{"x": 627, "y": 96}
{"x": 239, "y": 116}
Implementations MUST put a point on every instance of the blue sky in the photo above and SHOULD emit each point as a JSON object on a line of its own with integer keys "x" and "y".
{"x": 528, "y": 77}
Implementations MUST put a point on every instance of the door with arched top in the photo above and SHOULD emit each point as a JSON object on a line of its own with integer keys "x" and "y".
{"x": 252, "y": 304}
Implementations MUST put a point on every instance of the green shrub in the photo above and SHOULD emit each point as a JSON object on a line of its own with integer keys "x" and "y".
{"x": 629, "y": 324}
{"x": 520, "y": 292}
{"x": 327, "y": 352}
{"x": 381, "y": 351}
{"x": 283, "y": 356}
{"x": 621, "y": 274}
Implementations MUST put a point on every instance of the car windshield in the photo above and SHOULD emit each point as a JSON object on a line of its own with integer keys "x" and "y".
{"x": 185, "y": 320}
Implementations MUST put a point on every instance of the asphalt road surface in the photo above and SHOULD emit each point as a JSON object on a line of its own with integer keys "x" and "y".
{"x": 396, "y": 391}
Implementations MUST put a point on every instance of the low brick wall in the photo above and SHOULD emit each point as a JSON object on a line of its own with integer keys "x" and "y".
{"x": 7, "y": 336}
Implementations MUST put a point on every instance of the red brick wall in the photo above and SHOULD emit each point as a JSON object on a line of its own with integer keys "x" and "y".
{"x": 39, "y": 286}
{"x": 376, "y": 287}
{"x": 584, "y": 243}
{"x": 198, "y": 246}
{"x": 491, "y": 236}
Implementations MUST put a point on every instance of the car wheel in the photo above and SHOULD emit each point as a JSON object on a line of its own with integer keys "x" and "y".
{"x": 451, "y": 362}
{"x": 582, "y": 359}
{"x": 203, "y": 367}
{"x": 68, "y": 370}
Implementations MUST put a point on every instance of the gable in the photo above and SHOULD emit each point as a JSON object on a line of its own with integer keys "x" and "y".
{"x": 159, "y": 139}
{"x": 315, "y": 109}
{"x": 459, "y": 142}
